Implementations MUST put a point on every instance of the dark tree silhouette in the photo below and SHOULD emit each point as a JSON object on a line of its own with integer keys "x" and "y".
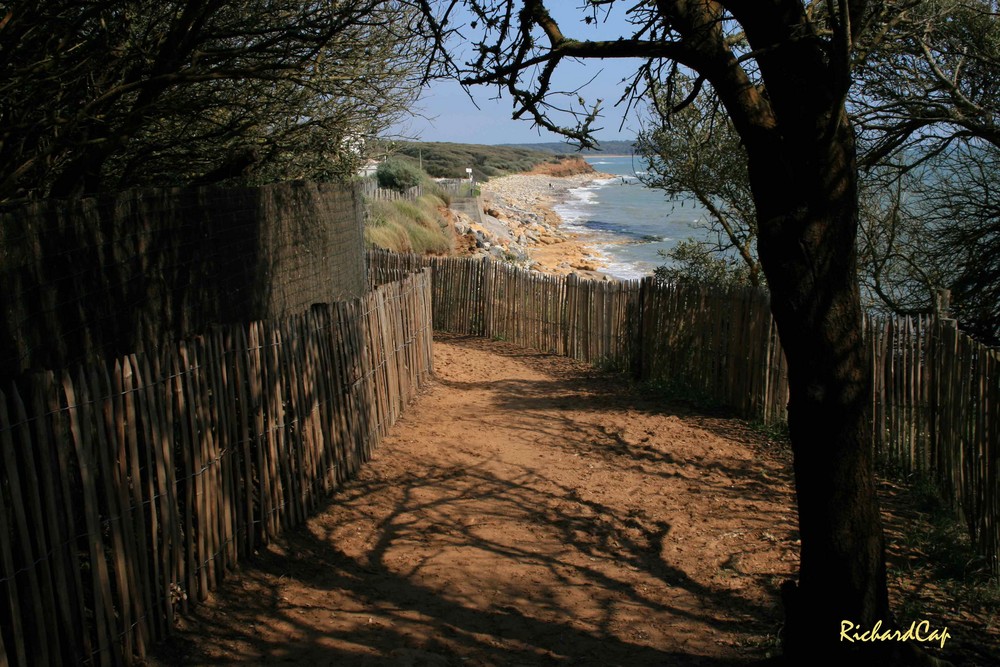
{"x": 781, "y": 70}
{"x": 102, "y": 95}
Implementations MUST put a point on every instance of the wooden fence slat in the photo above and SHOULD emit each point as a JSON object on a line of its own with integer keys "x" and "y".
{"x": 106, "y": 444}
{"x": 180, "y": 418}
{"x": 297, "y": 419}
{"x": 66, "y": 573}
{"x": 29, "y": 521}
{"x": 225, "y": 416}
{"x": 341, "y": 374}
{"x": 320, "y": 338}
{"x": 131, "y": 474}
{"x": 243, "y": 473}
{"x": 162, "y": 485}
{"x": 146, "y": 491}
{"x": 79, "y": 399}
{"x": 263, "y": 426}
{"x": 7, "y": 561}
{"x": 278, "y": 399}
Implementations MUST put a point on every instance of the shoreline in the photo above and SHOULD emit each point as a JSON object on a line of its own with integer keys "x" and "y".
{"x": 519, "y": 223}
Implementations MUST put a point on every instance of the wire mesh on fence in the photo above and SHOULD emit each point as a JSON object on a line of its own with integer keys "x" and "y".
{"x": 129, "y": 490}
{"x": 82, "y": 279}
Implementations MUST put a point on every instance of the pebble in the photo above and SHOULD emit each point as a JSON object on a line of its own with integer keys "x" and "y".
{"x": 519, "y": 215}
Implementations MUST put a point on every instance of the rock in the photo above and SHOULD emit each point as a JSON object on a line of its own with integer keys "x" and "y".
{"x": 519, "y": 253}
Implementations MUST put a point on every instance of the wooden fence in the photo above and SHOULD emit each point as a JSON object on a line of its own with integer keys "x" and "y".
{"x": 936, "y": 400}
{"x": 456, "y": 189}
{"x": 719, "y": 345}
{"x": 369, "y": 188}
{"x": 935, "y": 396}
{"x": 127, "y": 492}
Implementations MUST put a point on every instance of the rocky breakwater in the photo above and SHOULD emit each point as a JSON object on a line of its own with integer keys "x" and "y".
{"x": 518, "y": 225}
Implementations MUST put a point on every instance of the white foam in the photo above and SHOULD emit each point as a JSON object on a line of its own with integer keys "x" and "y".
{"x": 574, "y": 209}
{"x": 627, "y": 270}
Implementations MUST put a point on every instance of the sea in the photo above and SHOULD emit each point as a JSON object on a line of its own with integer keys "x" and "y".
{"x": 627, "y": 222}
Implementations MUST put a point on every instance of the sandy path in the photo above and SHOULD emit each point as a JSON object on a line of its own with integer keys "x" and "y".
{"x": 527, "y": 510}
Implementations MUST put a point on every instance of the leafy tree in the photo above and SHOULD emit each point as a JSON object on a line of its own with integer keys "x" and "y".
{"x": 782, "y": 71}
{"x": 697, "y": 262}
{"x": 945, "y": 232}
{"x": 927, "y": 109}
{"x": 696, "y": 151}
{"x": 98, "y": 95}
{"x": 929, "y": 80}
{"x": 927, "y": 121}
{"x": 897, "y": 274}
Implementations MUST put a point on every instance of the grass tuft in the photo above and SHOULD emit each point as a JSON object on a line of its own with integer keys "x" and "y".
{"x": 409, "y": 226}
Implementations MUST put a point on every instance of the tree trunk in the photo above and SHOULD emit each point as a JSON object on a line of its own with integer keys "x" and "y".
{"x": 807, "y": 250}
{"x": 842, "y": 568}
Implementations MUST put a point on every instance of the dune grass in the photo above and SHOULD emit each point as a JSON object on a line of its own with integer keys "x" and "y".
{"x": 410, "y": 226}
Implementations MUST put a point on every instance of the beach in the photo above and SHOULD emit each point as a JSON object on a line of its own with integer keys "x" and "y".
{"x": 519, "y": 225}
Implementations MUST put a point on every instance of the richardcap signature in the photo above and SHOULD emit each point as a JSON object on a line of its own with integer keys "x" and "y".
{"x": 920, "y": 631}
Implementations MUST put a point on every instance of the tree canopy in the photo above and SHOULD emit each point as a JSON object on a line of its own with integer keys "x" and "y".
{"x": 695, "y": 151}
{"x": 927, "y": 121}
{"x": 928, "y": 118}
{"x": 98, "y": 95}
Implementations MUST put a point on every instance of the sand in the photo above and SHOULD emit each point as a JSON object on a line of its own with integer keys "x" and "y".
{"x": 526, "y": 510}
{"x": 530, "y": 510}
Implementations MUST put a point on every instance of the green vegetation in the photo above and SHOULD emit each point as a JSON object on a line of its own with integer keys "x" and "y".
{"x": 102, "y": 96}
{"x": 397, "y": 174}
{"x": 448, "y": 160}
{"x": 945, "y": 542}
{"x": 420, "y": 227}
{"x": 940, "y": 559}
{"x": 409, "y": 226}
{"x": 695, "y": 261}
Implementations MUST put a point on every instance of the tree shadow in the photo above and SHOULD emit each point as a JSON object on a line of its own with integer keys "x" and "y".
{"x": 395, "y": 569}
{"x": 407, "y": 615}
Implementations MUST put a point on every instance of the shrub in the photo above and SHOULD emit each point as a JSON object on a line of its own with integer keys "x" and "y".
{"x": 397, "y": 175}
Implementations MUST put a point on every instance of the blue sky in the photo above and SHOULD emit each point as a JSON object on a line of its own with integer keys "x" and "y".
{"x": 447, "y": 114}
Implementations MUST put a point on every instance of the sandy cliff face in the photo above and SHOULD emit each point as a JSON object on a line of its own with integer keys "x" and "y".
{"x": 570, "y": 166}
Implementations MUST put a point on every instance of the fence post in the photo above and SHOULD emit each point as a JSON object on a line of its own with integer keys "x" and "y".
{"x": 638, "y": 324}
{"x": 942, "y": 303}
{"x": 937, "y": 357}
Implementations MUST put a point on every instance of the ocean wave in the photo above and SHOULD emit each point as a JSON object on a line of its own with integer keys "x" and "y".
{"x": 626, "y": 270}
{"x": 629, "y": 223}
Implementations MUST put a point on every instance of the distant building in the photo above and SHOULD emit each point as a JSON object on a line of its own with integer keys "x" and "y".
{"x": 368, "y": 168}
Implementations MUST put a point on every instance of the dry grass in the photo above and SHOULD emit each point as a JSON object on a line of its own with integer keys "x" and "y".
{"x": 404, "y": 226}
